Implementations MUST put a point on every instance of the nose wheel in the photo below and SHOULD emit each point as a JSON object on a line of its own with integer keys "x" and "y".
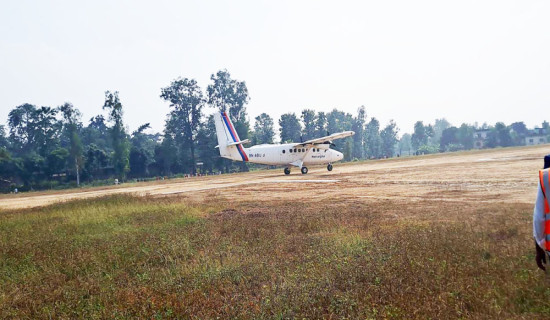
{"x": 287, "y": 171}
{"x": 329, "y": 167}
{"x": 304, "y": 170}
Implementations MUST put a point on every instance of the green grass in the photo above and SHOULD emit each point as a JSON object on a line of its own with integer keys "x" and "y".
{"x": 127, "y": 257}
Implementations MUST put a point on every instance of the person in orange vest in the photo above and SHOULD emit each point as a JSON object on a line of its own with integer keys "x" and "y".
{"x": 541, "y": 216}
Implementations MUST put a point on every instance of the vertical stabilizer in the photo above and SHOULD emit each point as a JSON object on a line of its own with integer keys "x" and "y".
{"x": 228, "y": 135}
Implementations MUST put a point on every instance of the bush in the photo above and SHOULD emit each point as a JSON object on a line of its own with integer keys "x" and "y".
{"x": 427, "y": 149}
{"x": 454, "y": 147}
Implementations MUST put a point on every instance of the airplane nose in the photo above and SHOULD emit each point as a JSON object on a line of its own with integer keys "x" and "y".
{"x": 339, "y": 155}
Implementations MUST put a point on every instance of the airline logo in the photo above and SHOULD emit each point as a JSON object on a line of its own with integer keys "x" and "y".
{"x": 233, "y": 134}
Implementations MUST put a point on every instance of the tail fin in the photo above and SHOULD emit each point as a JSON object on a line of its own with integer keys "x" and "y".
{"x": 228, "y": 140}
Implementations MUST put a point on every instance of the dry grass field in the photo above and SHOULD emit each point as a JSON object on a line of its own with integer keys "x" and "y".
{"x": 432, "y": 237}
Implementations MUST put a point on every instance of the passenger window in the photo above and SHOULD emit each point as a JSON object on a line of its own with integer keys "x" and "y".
{"x": 290, "y": 150}
{"x": 299, "y": 150}
{"x": 303, "y": 150}
{"x": 284, "y": 151}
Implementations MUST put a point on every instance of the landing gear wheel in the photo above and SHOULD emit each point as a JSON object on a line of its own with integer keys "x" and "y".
{"x": 304, "y": 170}
{"x": 287, "y": 171}
{"x": 329, "y": 167}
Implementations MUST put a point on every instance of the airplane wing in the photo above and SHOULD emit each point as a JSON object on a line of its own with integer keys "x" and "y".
{"x": 332, "y": 137}
{"x": 311, "y": 143}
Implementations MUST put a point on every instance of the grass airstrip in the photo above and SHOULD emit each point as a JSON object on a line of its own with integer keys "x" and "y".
{"x": 435, "y": 237}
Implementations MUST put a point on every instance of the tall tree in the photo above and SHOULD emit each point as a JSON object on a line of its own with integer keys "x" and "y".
{"x": 97, "y": 133}
{"x": 358, "y": 126}
{"x": 430, "y": 132}
{"x": 405, "y": 144}
{"x": 503, "y": 135}
{"x": 321, "y": 124}
{"x": 338, "y": 121}
{"x": 289, "y": 127}
{"x": 3, "y": 140}
{"x": 389, "y": 138}
{"x": 348, "y": 147}
{"x": 465, "y": 136}
{"x": 439, "y": 126}
{"x": 229, "y": 95}
{"x": 33, "y": 129}
{"x": 33, "y": 169}
{"x": 186, "y": 100}
{"x": 492, "y": 138}
{"x": 119, "y": 138}
{"x": 96, "y": 160}
{"x": 138, "y": 160}
{"x": 520, "y": 128}
{"x": 420, "y": 136}
{"x": 10, "y": 168}
{"x": 449, "y": 137}
{"x": 47, "y": 130}
{"x": 141, "y": 139}
{"x": 373, "y": 142}
{"x": 308, "y": 119}
{"x": 71, "y": 127}
{"x": 519, "y": 132}
{"x": 21, "y": 121}
{"x": 165, "y": 156}
{"x": 263, "y": 129}
{"x": 56, "y": 162}
{"x": 142, "y": 150}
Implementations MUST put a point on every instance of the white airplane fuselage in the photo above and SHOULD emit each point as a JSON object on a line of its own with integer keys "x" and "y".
{"x": 284, "y": 154}
{"x": 300, "y": 155}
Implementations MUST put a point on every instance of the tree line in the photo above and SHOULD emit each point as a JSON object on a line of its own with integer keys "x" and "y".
{"x": 51, "y": 147}
{"x": 442, "y": 136}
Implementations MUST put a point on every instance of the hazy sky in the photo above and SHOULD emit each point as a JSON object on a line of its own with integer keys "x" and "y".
{"x": 466, "y": 61}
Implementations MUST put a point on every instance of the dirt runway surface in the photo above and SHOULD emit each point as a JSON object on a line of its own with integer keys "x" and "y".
{"x": 497, "y": 175}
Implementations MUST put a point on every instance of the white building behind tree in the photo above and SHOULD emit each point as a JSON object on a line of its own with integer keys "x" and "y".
{"x": 536, "y": 136}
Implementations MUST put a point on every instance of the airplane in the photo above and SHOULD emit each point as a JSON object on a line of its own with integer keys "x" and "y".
{"x": 314, "y": 151}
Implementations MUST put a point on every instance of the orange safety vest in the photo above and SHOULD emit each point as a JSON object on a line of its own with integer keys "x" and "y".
{"x": 544, "y": 178}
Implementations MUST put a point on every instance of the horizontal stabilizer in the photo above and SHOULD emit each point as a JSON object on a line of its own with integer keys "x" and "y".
{"x": 238, "y": 142}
